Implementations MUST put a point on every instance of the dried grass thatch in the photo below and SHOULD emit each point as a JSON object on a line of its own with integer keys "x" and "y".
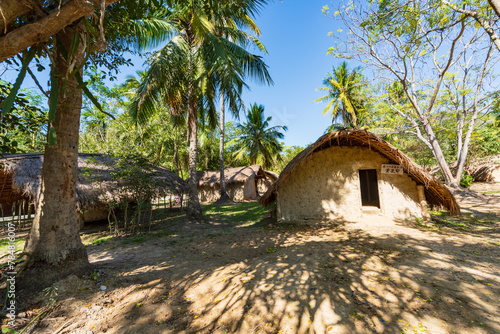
{"x": 95, "y": 182}
{"x": 436, "y": 193}
{"x": 272, "y": 175}
{"x": 211, "y": 178}
{"x": 483, "y": 170}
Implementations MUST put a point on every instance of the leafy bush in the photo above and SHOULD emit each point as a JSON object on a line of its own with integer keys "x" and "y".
{"x": 466, "y": 180}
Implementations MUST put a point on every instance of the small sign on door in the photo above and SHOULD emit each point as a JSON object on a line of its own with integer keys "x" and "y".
{"x": 391, "y": 169}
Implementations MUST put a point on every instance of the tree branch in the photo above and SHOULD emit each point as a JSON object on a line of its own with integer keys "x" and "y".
{"x": 415, "y": 126}
{"x": 27, "y": 35}
{"x": 481, "y": 20}
{"x": 10, "y": 10}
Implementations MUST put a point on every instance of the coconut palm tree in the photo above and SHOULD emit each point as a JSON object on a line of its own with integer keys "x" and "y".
{"x": 343, "y": 93}
{"x": 198, "y": 59}
{"x": 256, "y": 140}
{"x": 234, "y": 75}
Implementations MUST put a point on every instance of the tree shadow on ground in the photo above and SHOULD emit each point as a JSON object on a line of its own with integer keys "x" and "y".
{"x": 308, "y": 279}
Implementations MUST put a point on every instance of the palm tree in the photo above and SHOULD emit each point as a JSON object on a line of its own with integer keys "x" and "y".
{"x": 256, "y": 140}
{"x": 196, "y": 60}
{"x": 343, "y": 93}
{"x": 235, "y": 70}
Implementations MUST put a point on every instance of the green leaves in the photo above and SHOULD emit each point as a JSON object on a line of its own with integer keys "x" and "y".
{"x": 52, "y": 136}
{"x": 256, "y": 140}
{"x": 344, "y": 95}
{"x": 7, "y": 103}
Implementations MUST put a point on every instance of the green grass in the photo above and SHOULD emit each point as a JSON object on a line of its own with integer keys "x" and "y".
{"x": 4, "y": 243}
{"x": 248, "y": 214}
{"x": 490, "y": 192}
{"x": 137, "y": 239}
{"x": 102, "y": 240}
{"x": 239, "y": 214}
{"x": 468, "y": 222}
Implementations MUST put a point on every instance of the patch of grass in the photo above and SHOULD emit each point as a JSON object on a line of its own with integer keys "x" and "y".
{"x": 4, "y": 243}
{"x": 96, "y": 238}
{"x": 239, "y": 214}
{"x": 438, "y": 213}
{"x": 103, "y": 240}
{"x": 490, "y": 192}
{"x": 468, "y": 222}
{"x": 164, "y": 233}
{"x": 136, "y": 239}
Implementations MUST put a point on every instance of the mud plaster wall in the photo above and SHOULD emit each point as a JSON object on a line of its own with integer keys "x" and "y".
{"x": 237, "y": 192}
{"x": 97, "y": 213}
{"x": 326, "y": 185}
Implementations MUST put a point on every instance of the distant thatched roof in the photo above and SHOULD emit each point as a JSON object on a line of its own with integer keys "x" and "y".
{"x": 211, "y": 178}
{"x": 482, "y": 171}
{"x": 272, "y": 175}
{"x": 95, "y": 181}
{"x": 436, "y": 193}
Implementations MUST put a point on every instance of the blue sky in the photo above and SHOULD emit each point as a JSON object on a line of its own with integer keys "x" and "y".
{"x": 295, "y": 33}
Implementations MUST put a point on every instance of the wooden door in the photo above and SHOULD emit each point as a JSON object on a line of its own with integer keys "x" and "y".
{"x": 369, "y": 187}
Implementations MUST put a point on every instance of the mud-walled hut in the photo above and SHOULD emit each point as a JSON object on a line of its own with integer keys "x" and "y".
{"x": 242, "y": 183}
{"x": 349, "y": 173}
{"x": 98, "y": 183}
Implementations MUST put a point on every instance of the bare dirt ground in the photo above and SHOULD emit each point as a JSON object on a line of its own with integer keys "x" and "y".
{"x": 374, "y": 275}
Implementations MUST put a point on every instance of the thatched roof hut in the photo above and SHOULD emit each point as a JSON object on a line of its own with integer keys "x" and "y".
{"x": 341, "y": 143}
{"x": 20, "y": 177}
{"x": 242, "y": 183}
{"x": 272, "y": 175}
{"x": 486, "y": 170}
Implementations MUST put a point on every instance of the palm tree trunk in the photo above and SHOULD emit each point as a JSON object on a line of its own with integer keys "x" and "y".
{"x": 193, "y": 205}
{"x": 176, "y": 153}
{"x": 224, "y": 197}
{"x": 54, "y": 245}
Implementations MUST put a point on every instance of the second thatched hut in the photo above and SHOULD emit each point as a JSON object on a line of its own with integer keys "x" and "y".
{"x": 102, "y": 180}
{"x": 242, "y": 183}
{"x": 348, "y": 173}
{"x": 486, "y": 170}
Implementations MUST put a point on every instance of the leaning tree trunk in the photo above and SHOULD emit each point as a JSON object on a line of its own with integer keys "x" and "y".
{"x": 449, "y": 180}
{"x": 224, "y": 197}
{"x": 193, "y": 204}
{"x": 54, "y": 245}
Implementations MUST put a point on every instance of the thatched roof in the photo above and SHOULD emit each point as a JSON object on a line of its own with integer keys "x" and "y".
{"x": 95, "y": 181}
{"x": 211, "y": 178}
{"x": 482, "y": 171}
{"x": 272, "y": 175}
{"x": 436, "y": 193}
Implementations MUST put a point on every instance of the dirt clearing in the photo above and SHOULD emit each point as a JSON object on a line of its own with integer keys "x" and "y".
{"x": 237, "y": 274}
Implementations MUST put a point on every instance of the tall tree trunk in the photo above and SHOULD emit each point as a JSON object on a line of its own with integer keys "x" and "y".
{"x": 176, "y": 153}
{"x": 224, "y": 197}
{"x": 54, "y": 245}
{"x": 193, "y": 204}
{"x": 479, "y": 83}
{"x": 438, "y": 154}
